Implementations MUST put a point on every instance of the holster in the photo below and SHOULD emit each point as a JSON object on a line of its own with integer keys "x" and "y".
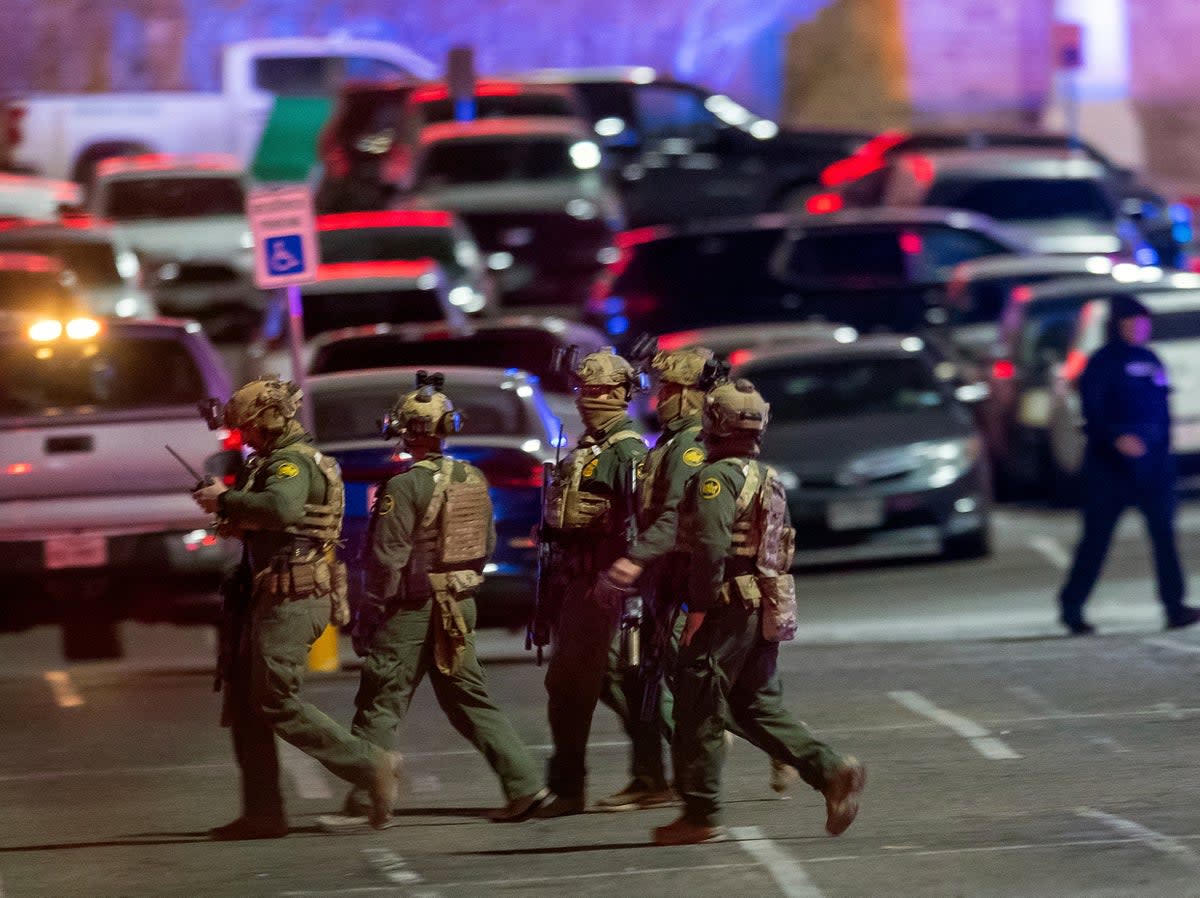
{"x": 450, "y": 628}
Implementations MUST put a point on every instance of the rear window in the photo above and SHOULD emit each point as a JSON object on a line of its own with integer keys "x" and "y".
{"x": 479, "y": 162}
{"x": 354, "y": 414}
{"x": 515, "y": 106}
{"x": 384, "y": 244}
{"x": 111, "y": 374}
{"x": 327, "y": 311}
{"x": 33, "y": 291}
{"x": 174, "y": 197}
{"x": 1170, "y": 327}
{"x": 94, "y": 264}
{"x": 1024, "y": 199}
{"x": 853, "y": 259}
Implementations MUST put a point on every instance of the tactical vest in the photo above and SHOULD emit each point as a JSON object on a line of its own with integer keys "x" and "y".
{"x": 452, "y": 535}
{"x": 649, "y": 488}
{"x": 322, "y": 522}
{"x": 570, "y": 508}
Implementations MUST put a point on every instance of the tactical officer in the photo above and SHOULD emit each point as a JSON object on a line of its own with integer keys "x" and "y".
{"x": 585, "y": 510}
{"x": 431, "y": 533}
{"x": 662, "y": 571}
{"x": 287, "y": 509}
{"x": 741, "y": 603}
{"x": 1127, "y": 461}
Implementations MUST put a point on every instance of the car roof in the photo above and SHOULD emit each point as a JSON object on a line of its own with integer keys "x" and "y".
{"x": 567, "y": 331}
{"x": 1016, "y": 266}
{"x": 386, "y": 218}
{"x": 432, "y": 91}
{"x": 634, "y": 74}
{"x": 404, "y": 377}
{"x": 403, "y": 272}
{"x": 1085, "y": 288}
{"x": 514, "y": 128}
{"x": 1013, "y": 162}
{"x": 870, "y": 346}
{"x": 749, "y": 336}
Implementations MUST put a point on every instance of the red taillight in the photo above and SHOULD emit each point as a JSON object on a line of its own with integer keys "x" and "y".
{"x": 824, "y": 203}
{"x": 508, "y": 474}
{"x": 1074, "y": 365}
{"x": 868, "y": 159}
{"x": 13, "y": 132}
{"x": 20, "y": 467}
{"x": 911, "y": 243}
{"x": 922, "y": 169}
{"x": 738, "y": 357}
{"x": 1003, "y": 369}
{"x": 1022, "y": 293}
{"x": 231, "y": 439}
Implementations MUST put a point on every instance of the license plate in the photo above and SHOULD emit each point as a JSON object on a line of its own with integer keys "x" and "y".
{"x": 854, "y": 514}
{"x": 84, "y": 550}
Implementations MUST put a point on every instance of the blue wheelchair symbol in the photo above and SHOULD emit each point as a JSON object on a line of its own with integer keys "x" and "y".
{"x": 285, "y": 255}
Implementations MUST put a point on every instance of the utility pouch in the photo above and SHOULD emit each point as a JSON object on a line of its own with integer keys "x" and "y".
{"x": 778, "y": 607}
{"x": 450, "y": 628}
{"x": 303, "y": 579}
{"x": 462, "y": 584}
{"x": 745, "y": 589}
{"x": 339, "y": 594}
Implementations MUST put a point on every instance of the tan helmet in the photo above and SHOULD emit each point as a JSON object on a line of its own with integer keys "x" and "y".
{"x": 268, "y": 402}
{"x": 684, "y": 367}
{"x": 425, "y": 411}
{"x": 605, "y": 368}
{"x": 735, "y": 408}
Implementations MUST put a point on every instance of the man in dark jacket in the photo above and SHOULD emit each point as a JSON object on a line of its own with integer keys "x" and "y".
{"x": 1128, "y": 461}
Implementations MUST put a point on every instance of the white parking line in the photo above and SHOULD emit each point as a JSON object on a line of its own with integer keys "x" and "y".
{"x": 65, "y": 694}
{"x": 1165, "y": 642}
{"x": 1038, "y": 700}
{"x": 1143, "y": 834}
{"x": 307, "y": 774}
{"x": 545, "y": 880}
{"x": 1052, "y": 550}
{"x": 391, "y": 866}
{"x": 786, "y": 870}
{"x": 981, "y": 739}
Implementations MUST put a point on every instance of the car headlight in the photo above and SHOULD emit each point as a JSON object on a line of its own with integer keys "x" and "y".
{"x": 937, "y": 462}
{"x": 948, "y": 460}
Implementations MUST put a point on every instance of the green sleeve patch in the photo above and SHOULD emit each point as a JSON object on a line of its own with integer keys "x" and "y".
{"x": 385, "y": 505}
{"x": 710, "y": 488}
{"x": 287, "y": 469}
{"x": 693, "y": 457}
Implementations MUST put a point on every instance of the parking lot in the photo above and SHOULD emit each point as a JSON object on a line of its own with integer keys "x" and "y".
{"x": 1005, "y": 760}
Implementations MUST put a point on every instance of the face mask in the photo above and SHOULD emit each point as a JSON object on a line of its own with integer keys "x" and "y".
{"x": 597, "y": 412}
{"x": 679, "y": 403}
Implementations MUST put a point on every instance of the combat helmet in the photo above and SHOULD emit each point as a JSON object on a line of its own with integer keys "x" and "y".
{"x": 735, "y": 408}
{"x": 267, "y": 403}
{"x": 684, "y": 367}
{"x": 425, "y": 411}
{"x": 605, "y": 369}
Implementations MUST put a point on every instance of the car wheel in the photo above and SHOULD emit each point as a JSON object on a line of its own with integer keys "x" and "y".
{"x": 977, "y": 544}
{"x": 90, "y": 625}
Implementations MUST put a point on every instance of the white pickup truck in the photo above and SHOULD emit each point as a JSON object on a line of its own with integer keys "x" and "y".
{"x": 65, "y": 136}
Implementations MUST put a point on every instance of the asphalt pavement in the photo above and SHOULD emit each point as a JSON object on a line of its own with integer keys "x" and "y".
{"x": 1004, "y": 759}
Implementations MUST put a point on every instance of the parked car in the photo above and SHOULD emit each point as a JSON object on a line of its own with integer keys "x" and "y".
{"x": 524, "y": 342}
{"x": 737, "y": 342}
{"x": 1174, "y": 303}
{"x": 869, "y": 269}
{"x": 1058, "y": 201}
{"x": 879, "y": 458}
{"x": 36, "y": 284}
{"x": 104, "y": 272}
{"x": 509, "y": 433}
{"x": 534, "y": 194}
{"x": 30, "y": 197}
{"x": 96, "y": 519}
{"x": 1034, "y": 337}
{"x": 67, "y": 135}
{"x": 413, "y": 234}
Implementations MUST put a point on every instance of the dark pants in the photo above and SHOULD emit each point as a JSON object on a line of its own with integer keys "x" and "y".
{"x": 1109, "y": 487}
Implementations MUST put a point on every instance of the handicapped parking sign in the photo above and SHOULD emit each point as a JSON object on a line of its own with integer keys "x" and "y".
{"x": 283, "y": 226}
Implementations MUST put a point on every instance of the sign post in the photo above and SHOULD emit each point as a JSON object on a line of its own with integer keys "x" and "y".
{"x": 286, "y": 256}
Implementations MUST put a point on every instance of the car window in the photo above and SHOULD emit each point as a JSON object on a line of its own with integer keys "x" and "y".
{"x": 1046, "y": 335}
{"x": 1178, "y": 326}
{"x": 368, "y": 69}
{"x": 354, "y": 414}
{"x": 853, "y": 257}
{"x": 477, "y": 162}
{"x": 1024, "y": 199}
{"x": 34, "y": 291}
{"x": 112, "y": 373}
{"x": 332, "y": 310}
{"x": 130, "y": 199}
{"x": 665, "y": 112}
{"x": 946, "y": 247}
{"x": 384, "y": 244}
{"x": 612, "y": 105}
{"x": 298, "y": 76}
{"x": 499, "y": 106}
{"x": 94, "y": 264}
{"x": 807, "y": 391}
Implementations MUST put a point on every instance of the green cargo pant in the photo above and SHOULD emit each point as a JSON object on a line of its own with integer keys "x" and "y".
{"x": 401, "y": 654}
{"x": 730, "y": 673}
{"x": 575, "y": 679}
{"x": 265, "y": 686}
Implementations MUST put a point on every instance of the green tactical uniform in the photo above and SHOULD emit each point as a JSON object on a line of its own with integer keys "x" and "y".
{"x": 290, "y": 607}
{"x": 676, "y": 456}
{"x": 729, "y": 672}
{"x": 586, "y": 629}
{"x": 424, "y": 631}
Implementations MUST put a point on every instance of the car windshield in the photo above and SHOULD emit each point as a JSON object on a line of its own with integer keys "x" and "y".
{"x": 94, "y": 264}
{"x": 845, "y": 388}
{"x": 385, "y": 244}
{"x": 332, "y": 310}
{"x": 33, "y": 291}
{"x": 527, "y": 349}
{"x": 1024, "y": 199}
{"x": 499, "y": 106}
{"x": 112, "y": 373}
{"x": 487, "y": 161}
{"x": 354, "y": 414}
{"x": 174, "y": 197}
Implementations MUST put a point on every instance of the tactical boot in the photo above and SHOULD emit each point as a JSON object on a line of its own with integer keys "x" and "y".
{"x": 842, "y": 793}
{"x": 385, "y": 789}
{"x": 1077, "y": 626}
{"x": 1184, "y": 617}
{"x": 638, "y": 795}
{"x": 684, "y": 832}
{"x": 247, "y": 828}
{"x": 783, "y": 776}
{"x": 519, "y": 808}
{"x": 344, "y": 823}
{"x": 561, "y": 806}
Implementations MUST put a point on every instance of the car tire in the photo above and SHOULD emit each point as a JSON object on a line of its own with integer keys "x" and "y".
{"x": 90, "y": 626}
{"x": 967, "y": 546}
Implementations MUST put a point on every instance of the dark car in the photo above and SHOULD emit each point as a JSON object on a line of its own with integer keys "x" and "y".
{"x": 870, "y": 269}
{"x": 878, "y": 456}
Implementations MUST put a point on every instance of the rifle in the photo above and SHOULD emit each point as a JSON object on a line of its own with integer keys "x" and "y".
{"x": 202, "y": 480}
{"x": 663, "y": 611}
{"x": 632, "y": 609}
{"x": 235, "y": 604}
{"x": 547, "y": 593}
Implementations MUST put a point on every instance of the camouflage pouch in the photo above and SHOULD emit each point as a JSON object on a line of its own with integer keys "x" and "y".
{"x": 778, "y": 608}
{"x": 463, "y": 584}
{"x": 450, "y": 628}
{"x": 745, "y": 589}
{"x": 303, "y": 579}
{"x": 339, "y": 594}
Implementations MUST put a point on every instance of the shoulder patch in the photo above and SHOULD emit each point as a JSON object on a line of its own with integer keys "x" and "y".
{"x": 385, "y": 505}
{"x": 287, "y": 469}
{"x": 590, "y": 468}
{"x": 640, "y": 470}
{"x": 693, "y": 457}
{"x": 710, "y": 488}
